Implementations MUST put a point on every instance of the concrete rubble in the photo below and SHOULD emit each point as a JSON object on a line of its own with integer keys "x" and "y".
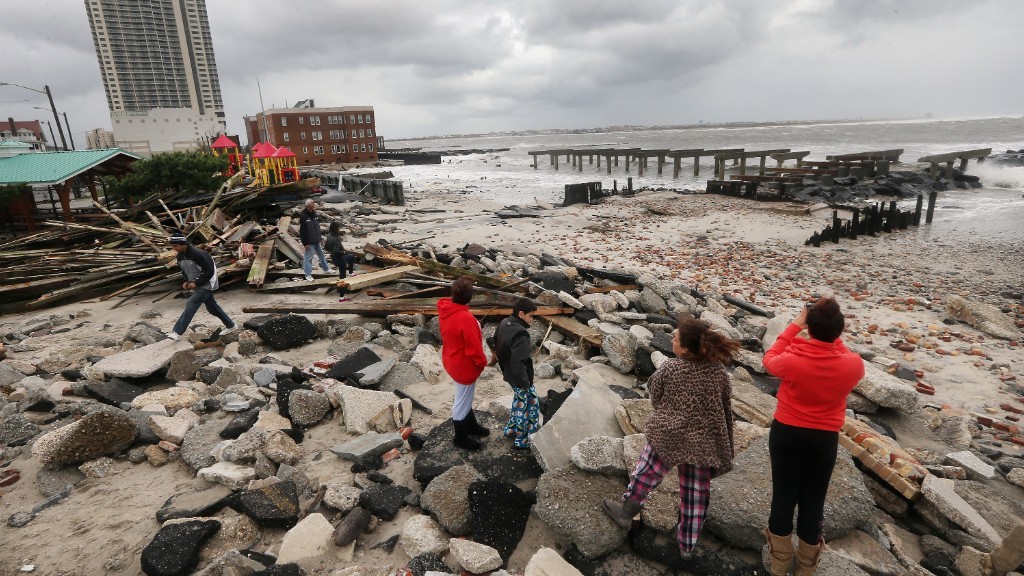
{"x": 302, "y": 463}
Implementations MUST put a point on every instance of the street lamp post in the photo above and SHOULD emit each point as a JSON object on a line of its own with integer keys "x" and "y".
{"x": 53, "y": 108}
{"x": 66, "y": 124}
{"x": 54, "y": 138}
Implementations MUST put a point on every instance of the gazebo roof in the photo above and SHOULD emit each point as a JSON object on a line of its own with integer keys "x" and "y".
{"x": 266, "y": 151}
{"x": 223, "y": 142}
{"x": 283, "y": 152}
{"x": 57, "y": 167}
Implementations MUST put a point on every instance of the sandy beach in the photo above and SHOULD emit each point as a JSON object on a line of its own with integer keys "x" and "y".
{"x": 894, "y": 288}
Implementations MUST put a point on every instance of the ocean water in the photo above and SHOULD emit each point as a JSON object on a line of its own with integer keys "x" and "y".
{"x": 995, "y": 212}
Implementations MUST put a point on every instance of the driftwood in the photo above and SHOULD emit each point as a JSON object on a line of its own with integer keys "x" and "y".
{"x": 575, "y": 329}
{"x": 378, "y": 308}
{"x": 398, "y": 257}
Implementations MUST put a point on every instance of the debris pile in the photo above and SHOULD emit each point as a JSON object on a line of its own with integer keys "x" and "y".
{"x": 330, "y": 467}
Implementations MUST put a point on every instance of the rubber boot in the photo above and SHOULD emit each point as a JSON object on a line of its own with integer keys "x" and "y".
{"x": 473, "y": 427}
{"x": 462, "y": 439}
{"x": 807, "y": 556}
{"x": 622, "y": 511}
{"x": 780, "y": 551}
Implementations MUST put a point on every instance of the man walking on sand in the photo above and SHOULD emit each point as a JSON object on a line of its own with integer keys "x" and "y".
{"x": 309, "y": 233}
{"x": 200, "y": 273}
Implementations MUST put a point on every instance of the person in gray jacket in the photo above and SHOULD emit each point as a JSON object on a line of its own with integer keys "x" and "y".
{"x": 309, "y": 234}
{"x": 200, "y": 274}
{"x": 513, "y": 349}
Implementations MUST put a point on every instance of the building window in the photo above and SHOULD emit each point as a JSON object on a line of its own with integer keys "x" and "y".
{"x": 342, "y": 134}
{"x": 369, "y": 147}
{"x": 362, "y": 133}
{"x": 284, "y": 121}
{"x": 318, "y": 149}
{"x": 302, "y": 135}
{"x": 318, "y": 135}
{"x": 305, "y": 149}
{"x": 344, "y": 148}
{"x": 369, "y": 119}
{"x": 302, "y": 119}
{"x": 314, "y": 120}
{"x": 351, "y": 118}
{"x": 286, "y": 136}
{"x": 369, "y": 133}
{"x": 362, "y": 147}
{"x": 360, "y": 118}
{"x": 335, "y": 149}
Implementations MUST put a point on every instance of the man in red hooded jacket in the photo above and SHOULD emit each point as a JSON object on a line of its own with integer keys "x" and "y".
{"x": 462, "y": 353}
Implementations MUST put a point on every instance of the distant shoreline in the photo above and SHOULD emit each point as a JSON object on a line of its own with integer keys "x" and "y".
{"x": 643, "y": 128}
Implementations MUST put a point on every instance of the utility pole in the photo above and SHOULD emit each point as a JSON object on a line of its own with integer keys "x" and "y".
{"x": 52, "y": 137}
{"x": 70, "y": 137}
{"x": 53, "y": 108}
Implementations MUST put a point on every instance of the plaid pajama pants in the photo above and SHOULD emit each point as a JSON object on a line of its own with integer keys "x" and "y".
{"x": 694, "y": 493}
{"x": 524, "y": 418}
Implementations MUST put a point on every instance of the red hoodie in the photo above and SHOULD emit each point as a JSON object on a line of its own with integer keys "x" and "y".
{"x": 816, "y": 379}
{"x": 462, "y": 342}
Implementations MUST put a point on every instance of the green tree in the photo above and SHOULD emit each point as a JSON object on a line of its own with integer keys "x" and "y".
{"x": 8, "y": 193}
{"x": 188, "y": 172}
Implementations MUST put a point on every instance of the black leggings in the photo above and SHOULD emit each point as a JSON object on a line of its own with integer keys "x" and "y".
{"x": 802, "y": 463}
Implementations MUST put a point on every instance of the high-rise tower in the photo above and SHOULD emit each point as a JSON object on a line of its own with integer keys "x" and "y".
{"x": 159, "y": 73}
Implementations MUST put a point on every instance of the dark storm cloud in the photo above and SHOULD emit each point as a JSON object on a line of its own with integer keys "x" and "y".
{"x": 483, "y": 65}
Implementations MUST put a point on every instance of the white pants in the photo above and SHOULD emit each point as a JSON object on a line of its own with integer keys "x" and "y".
{"x": 463, "y": 400}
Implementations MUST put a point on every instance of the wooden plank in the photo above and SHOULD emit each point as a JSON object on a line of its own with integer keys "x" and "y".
{"x": 290, "y": 247}
{"x": 241, "y": 232}
{"x": 398, "y": 257}
{"x": 156, "y": 222}
{"x": 571, "y": 327}
{"x": 951, "y": 156}
{"x": 380, "y": 308}
{"x": 374, "y": 278}
{"x": 127, "y": 226}
{"x": 431, "y": 291}
{"x": 258, "y": 271}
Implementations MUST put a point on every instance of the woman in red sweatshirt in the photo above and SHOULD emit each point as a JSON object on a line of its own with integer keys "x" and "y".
{"x": 462, "y": 353}
{"x": 817, "y": 375}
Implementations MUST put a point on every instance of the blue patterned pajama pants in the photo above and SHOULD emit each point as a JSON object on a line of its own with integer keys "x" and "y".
{"x": 524, "y": 418}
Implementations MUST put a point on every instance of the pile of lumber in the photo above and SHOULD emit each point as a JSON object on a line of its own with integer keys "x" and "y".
{"x": 110, "y": 253}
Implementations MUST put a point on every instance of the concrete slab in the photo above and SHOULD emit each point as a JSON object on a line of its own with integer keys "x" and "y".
{"x": 588, "y": 411}
{"x": 974, "y": 466}
{"x": 942, "y": 493}
{"x": 142, "y": 362}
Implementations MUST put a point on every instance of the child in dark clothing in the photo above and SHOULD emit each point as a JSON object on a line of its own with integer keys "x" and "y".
{"x": 344, "y": 261}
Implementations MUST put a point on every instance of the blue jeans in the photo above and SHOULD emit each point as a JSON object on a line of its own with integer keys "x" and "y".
{"x": 199, "y": 297}
{"x": 307, "y": 259}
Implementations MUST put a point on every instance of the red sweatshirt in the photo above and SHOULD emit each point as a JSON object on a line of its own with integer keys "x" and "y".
{"x": 816, "y": 379}
{"x": 462, "y": 342}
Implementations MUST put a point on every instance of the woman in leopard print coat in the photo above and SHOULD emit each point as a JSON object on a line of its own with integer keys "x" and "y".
{"x": 691, "y": 429}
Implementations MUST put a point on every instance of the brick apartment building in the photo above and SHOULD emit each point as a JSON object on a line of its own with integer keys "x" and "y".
{"x": 344, "y": 134}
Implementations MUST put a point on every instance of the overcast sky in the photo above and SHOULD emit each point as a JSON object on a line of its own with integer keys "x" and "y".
{"x": 475, "y": 66}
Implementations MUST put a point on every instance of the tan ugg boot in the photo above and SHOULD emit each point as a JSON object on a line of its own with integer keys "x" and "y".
{"x": 780, "y": 551}
{"x": 807, "y": 556}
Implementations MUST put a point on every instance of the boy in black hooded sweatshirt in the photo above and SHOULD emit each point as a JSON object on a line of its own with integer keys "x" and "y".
{"x": 513, "y": 349}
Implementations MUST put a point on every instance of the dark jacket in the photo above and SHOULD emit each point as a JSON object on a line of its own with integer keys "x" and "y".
{"x": 462, "y": 342}
{"x": 333, "y": 245}
{"x": 197, "y": 266}
{"x": 309, "y": 227}
{"x": 692, "y": 420}
{"x": 513, "y": 347}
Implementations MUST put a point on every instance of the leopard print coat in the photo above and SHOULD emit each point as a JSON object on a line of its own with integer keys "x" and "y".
{"x": 692, "y": 421}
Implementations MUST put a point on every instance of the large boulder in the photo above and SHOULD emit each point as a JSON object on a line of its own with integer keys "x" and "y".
{"x": 600, "y": 454}
{"x": 287, "y": 331}
{"x": 775, "y": 327}
{"x": 984, "y": 317}
{"x": 360, "y": 406}
{"x": 104, "y": 432}
{"x": 620, "y": 348}
{"x": 185, "y": 364}
{"x": 447, "y": 498}
{"x": 174, "y": 551}
{"x": 428, "y": 360}
{"x": 887, "y": 390}
{"x": 570, "y": 501}
{"x": 500, "y": 512}
{"x": 141, "y": 362}
{"x": 741, "y": 499}
{"x": 588, "y": 411}
{"x": 422, "y": 535}
{"x": 721, "y": 325}
{"x": 494, "y": 460}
